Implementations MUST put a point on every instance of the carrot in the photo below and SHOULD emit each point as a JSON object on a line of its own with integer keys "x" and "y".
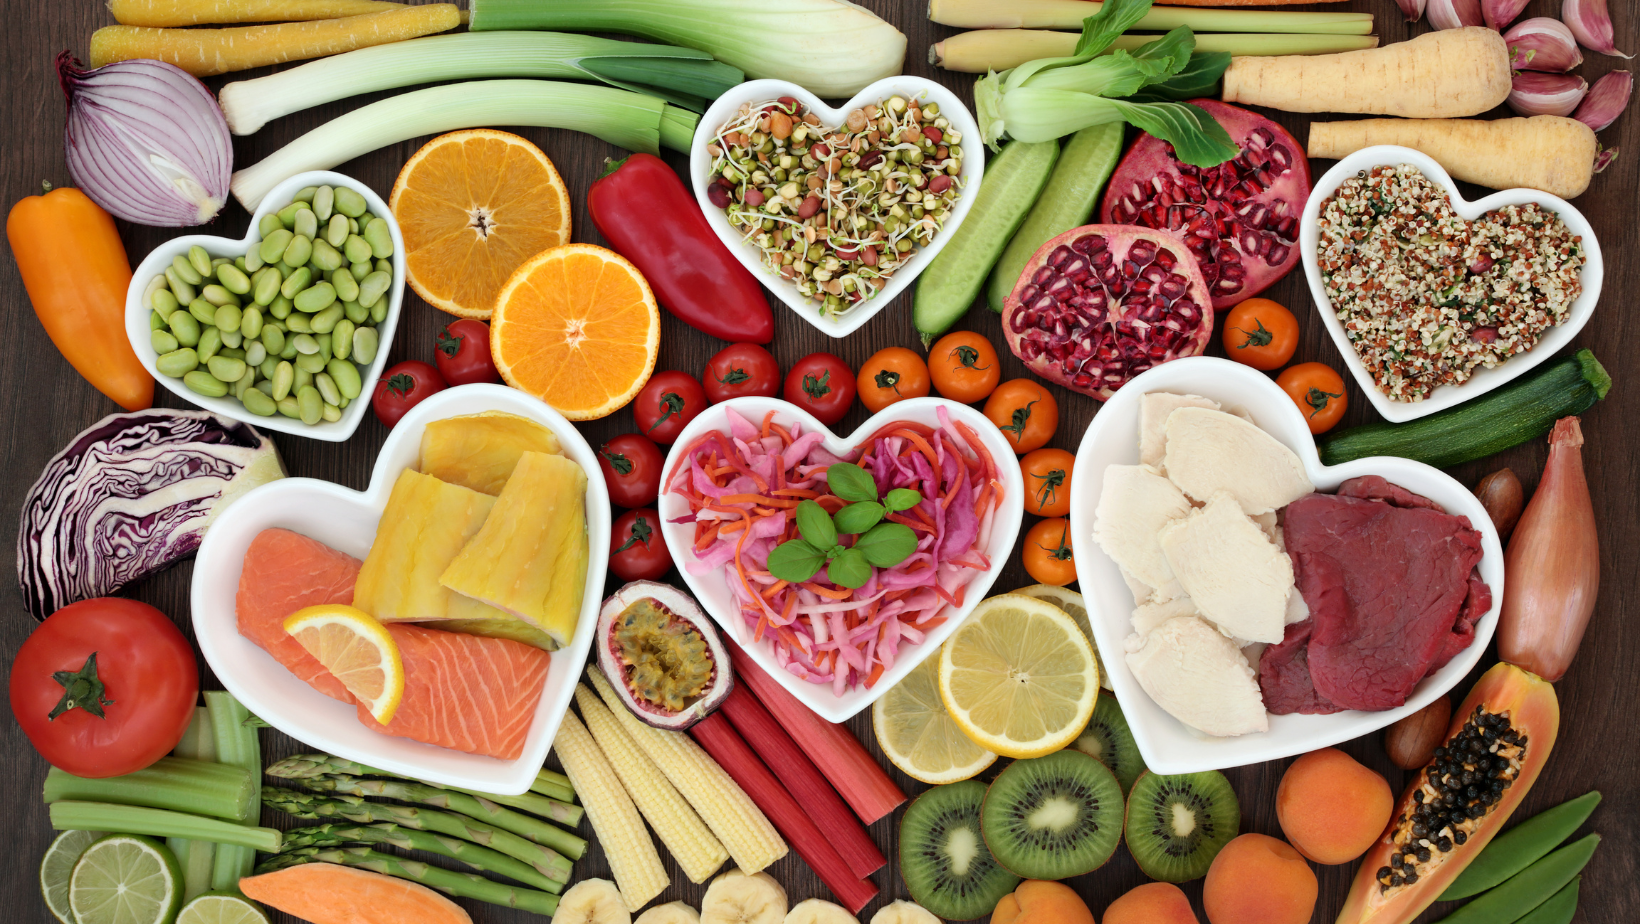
{"x": 201, "y": 12}
{"x": 1438, "y": 75}
{"x": 203, "y": 52}
{"x": 1544, "y": 152}
{"x": 326, "y": 893}
{"x": 1241, "y": 2}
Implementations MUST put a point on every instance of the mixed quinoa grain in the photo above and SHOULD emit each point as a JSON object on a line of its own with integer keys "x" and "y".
{"x": 1425, "y": 296}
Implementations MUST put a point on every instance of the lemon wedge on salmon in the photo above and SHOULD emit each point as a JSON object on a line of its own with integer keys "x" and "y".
{"x": 357, "y": 650}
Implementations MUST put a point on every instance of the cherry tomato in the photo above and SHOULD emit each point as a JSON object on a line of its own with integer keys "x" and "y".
{"x": 823, "y": 385}
{"x": 1048, "y": 558}
{"x": 401, "y": 388}
{"x": 1025, "y": 413}
{"x": 1261, "y": 334}
{"x": 1047, "y": 481}
{"x": 741, "y": 369}
{"x": 667, "y": 404}
{"x": 891, "y": 375}
{"x": 105, "y": 686}
{"x": 964, "y": 367}
{"x": 1318, "y": 391}
{"x": 632, "y": 468}
{"x": 462, "y": 351}
{"x": 636, "y": 550}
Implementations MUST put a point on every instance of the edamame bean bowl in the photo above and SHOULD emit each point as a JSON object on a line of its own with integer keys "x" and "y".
{"x": 287, "y": 329}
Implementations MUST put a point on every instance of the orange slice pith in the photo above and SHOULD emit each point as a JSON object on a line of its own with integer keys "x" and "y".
{"x": 473, "y": 206}
{"x": 577, "y": 327}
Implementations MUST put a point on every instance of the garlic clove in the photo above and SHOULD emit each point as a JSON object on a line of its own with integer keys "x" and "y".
{"x": 1533, "y": 93}
{"x": 1455, "y": 14}
{"x": 1606, "y": 100}
{"x": 1414, "y": 9}
{"x": 1591, "y": 22}
{"x": 1500, "y": 13}
{"x": 1603, "y": 158}
{"x": 1542, "y": 44}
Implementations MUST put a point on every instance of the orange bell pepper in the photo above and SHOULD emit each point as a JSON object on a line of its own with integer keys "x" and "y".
{"x": 77, "y": 274}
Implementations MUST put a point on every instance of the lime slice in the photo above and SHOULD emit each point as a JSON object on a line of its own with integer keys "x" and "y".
{"x": 58, "y": 864}
{"x": 1074, "y": 606}
{"x": 125, "y": 879}
{"x": 221, "y": 908}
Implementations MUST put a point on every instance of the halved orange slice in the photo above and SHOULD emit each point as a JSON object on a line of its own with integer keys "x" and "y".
{"x": 577, "y": 327}
{"x": 474, "y": 205}
{"x": 359, "y": 650}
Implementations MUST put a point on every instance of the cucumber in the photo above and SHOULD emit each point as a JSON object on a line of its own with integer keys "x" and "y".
{"x": 949, "y": 284}
{"x": 1085, "y": 164}
{"x": 1522, "y": 410}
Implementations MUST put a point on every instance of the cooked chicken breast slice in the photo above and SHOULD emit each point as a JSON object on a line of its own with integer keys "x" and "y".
{"x": 1210, "y": 451}
{"x": 1153, "y": 411}
{"x": 1237, "y": 578}
{"x": 1148, "y": 616}
{"x": 1134, "y": 504}
{"x": 1199, "y": 677}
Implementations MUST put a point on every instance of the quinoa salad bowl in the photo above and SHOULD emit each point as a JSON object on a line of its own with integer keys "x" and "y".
{"x": 1432, "y": 299}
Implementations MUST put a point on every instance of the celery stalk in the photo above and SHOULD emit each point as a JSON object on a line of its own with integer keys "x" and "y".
{"x": 237, "y": 745}
{"x": 136, "y": 819}
{"x": 1000, "y": 49}
{"x": 196, "y": 858}
{"x": 175, "y": 783}
{"x": 1068, "y": 14}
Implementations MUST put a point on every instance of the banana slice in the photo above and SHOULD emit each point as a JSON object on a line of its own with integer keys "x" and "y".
{"x": 904, "y": 912}
{"x": 736, "y": 898}
{"x": 815, "y": 911}
{"x": 669, "y": 913}
{"x": 592, "y": 901}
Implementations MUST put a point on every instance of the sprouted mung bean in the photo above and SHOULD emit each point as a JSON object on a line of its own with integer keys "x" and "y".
{"x": 1424, "y": 295}
{"x": 837, "y": 210}
{"x": 285, "y": 327}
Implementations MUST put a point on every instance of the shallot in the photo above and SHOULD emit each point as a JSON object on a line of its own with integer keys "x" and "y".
{"x": 1606, "y": 100}
{"x": 1603, "y": 158}
{"x": 1542, "y": 44}
{"x": 1591, "y": 22}
{"x": 1414, "y": 9}
{"x": 1553, "y": 563}
{"x": 1455, "y": 14}
{"x": 1500, "y": 13}
{"x": 1533, "y": 93}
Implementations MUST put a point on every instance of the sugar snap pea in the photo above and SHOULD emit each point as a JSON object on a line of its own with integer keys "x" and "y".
{"x": 1528, "y": 888}
{"x": 205, "y": 384}
{"x": 1560, "y": 908}
{"x": 310, "y": 405}
{"x": 1521, "y": 846}
{"x": 199, "y": 259}
{"x": 177, "y": 363}
{"x": 185, "y": 270}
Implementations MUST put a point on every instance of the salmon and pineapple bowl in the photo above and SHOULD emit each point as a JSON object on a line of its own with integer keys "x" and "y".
{"x": 431, "y": 625}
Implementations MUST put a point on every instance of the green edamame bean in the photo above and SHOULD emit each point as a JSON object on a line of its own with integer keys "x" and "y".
{"x": 341, "y": 338}
{"x": 318, "y": 297}
{"x": 255, "y": 353}
{"x": 324, "y": 202}
{"x": 253, "y": 259}
{"x": 372, "y": 287}
{"x": 264, "y": 385}
{"x": 231, "y": 353}
{"x": 384, "y": 266}
{"x": 336, "y": 232}
{"x": 352, "y": 226}
{"x": 180, "y": 287}
{"x": 327, "y": 388}
{"x": 269, "y": 366}
{"x": 324, "y": 345}
{"x": 365, "y": 343}
{"x": 185, "y": 327}
{"x": 177, "y": 363}
{"x": 300, "y": 379}
{"x": 226, "y": 368}
{"x": 288, "y": 407}
{"x": 298, "y": 280}
{"x": 283, "y": 375}
{"x": 325, "y": 321}
{"x": 273, "y": 338}
{"x": 247, "y": 382}
{"x": 345, "y": 402}
{"x": 204, "y": 383}
{"x": 218, "y": 261}
{"x": 299, "y": 251}
{"x": 305, "y": 194}
{"x": 310, "y": 405}
{"x": 356, "y": 312}
{"x": 232, "y": 338}
{"x": 164, "y": 302}
{"x": 232, "y": 279}
{"x": 287, "y": 215}
{"x": 346, "y": 377}
{"x": 259, "y": 403}
{"x": 239, "y": 264}
{"x": 310, "y": 362}
{"x": 280, "y": 308}
{"x": 306, "y": 224}
{"x": 330, "y": 413}
{"x": 269, "y": 224}
{"x": 350, "y": 203}
{"x": 162, "y": 341}
{"x": 185, "y": 270}
{"x": 250, "y": 324}
{"x": 378, "y": 312}
{"x": 289, "y": 353}
{"x": 218, "y": 295}
{"x": 357, "y": 249}
{"x": 156, "y": 321}
{"x": 266, "y": 288}
{"x": 199, "y": 260}
{"x": 228, "y": 318}
{"x": 325, "y": 257}
{"x": 203, "y": 311}
{"x": 380, "y": 238}
{"x": 210, "y": 340}
{"x": 360, "y": 269}
{"x": 306, "y": 344}
{"x": 285, "y": 269}
{"x": 347, "y": 288}
{"x": 273, "y": 245}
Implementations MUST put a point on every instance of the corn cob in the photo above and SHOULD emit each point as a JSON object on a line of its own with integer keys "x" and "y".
{"x": 737, "y": 821}
{"x": 632, "y": 857}
{"x": 691, "y": 842}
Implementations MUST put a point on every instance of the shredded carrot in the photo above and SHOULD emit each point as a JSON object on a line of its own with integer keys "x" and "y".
{"x": 756, "y": 499}
{"x": 841, "y": 593}
{"x": 875, "y": 675}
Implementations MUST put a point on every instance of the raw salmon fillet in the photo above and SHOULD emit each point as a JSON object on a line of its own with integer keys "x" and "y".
{"x": 465, "y": 692}
{"x": 283, "y": 572}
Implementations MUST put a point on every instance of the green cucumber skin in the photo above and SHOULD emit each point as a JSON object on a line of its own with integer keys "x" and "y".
{"x": 948, "y": 285}
{"x": 1085, "y": 164}
{"x": 1521, "y": 846}
{"x": 1522, "y": 410}
{"x": 1529, "y": 888}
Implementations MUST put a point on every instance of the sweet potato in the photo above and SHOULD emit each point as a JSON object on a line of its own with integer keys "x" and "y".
{"x": 1550, "y": 153}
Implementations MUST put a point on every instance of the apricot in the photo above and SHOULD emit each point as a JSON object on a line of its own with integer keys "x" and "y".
{"x": 1331, "y": 808}
{"x": 1152, "y": 903}
{"x": 1040, "y": 902}
{"x": 1257, "y": 879}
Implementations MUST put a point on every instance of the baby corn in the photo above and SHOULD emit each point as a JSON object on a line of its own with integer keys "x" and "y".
{"x": 632, "y": 857}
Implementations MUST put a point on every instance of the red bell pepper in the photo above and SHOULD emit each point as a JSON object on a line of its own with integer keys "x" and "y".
{"x": 643, "y": 210}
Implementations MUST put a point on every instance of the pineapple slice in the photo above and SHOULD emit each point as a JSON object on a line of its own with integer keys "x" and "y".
{"x": 479, "y": 451}
{"x": 426, "y": 523}
{"x": 530, "y": 557}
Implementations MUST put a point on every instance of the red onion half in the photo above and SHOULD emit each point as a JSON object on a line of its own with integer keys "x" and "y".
{"x": 146, "y": 141}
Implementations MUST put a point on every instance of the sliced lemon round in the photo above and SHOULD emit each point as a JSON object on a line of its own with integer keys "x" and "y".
{"x": 919, "y": 736}
{"x": 1076, "y": 608}
{"x": 357, "y": 649}
{"x": 1019, "y": 678}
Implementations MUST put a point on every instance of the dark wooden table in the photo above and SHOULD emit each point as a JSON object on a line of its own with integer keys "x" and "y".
{"x": 45, "y": 403}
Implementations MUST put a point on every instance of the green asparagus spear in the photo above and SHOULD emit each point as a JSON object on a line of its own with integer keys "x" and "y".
{"x": 553, "y": 786}
{"x": 481, "y": 858}
{"x": 461, "y": 885}
{"x": 477, "y": 807}
{"x": 311, "y": 766}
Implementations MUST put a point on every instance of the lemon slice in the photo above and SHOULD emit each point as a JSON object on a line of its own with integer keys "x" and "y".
{"x": 918, "y": 735}
{"x": 1076, "y": 608}
{"x": 1019, "y": 678}
{"x": 352, "y": 645}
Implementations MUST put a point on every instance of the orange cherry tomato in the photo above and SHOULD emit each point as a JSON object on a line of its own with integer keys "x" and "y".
{"x": 1261, "y": 334}
{"x": 1048, "y": 558}
{"x": 891, "y": 375}
{"x": 1025, "y": 413}
{"x": 1318, "y": 391}
{"x": 1047, "y": 482}
{"x": 964, "y": 367}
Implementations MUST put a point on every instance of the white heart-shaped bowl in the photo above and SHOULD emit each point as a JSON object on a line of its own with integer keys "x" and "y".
{"x": 753, "y": 91}
{"x": 712, "y": 590}
{"x": 346, "y": 520}
{"x": 1167, "y": 744}
{"x": 137, "y": 311}
{"x": 1483, "y": 380}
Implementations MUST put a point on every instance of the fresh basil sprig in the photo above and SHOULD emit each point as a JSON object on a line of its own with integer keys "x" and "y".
{"x": 879, "y": 544}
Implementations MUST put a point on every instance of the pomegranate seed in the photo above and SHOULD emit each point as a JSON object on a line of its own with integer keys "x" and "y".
{"x": 1043, "y": 276}
{"x": 1277, "y": 253}
{"x": 1060, "y": 254}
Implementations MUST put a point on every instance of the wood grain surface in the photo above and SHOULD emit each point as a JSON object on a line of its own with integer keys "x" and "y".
{"x": 43, "y": 403}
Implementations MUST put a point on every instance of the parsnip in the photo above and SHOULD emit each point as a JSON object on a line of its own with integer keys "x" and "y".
{"x": 999, "y": 49}
{"x": 1545, "y": 152}
{"x": 1438, "y": 75}
{"x": 160, "y": 13}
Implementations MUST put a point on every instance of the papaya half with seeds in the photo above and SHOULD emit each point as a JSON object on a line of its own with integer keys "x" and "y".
{"x": 1494, "y": 750}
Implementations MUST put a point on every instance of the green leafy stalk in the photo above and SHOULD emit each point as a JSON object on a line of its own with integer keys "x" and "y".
{"x": 311, "y": 766}
{"x": 461, "y": 885}
{"x": 476, "y": 807}
{"x": 481, "y": 858}
{"x": 135, "y": 819}
{"x": 178, "y": 784}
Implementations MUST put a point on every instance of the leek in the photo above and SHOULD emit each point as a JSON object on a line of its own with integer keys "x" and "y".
{"x": 1000, "y": 49}
{"x": 1069, "y": 14}
{"x": 630, "y": 120}
{"x": 175, "y": 783}
{"x": 136, "y": 819}
{"x": 829, "y": 47}
{"x": 681, "y": 76}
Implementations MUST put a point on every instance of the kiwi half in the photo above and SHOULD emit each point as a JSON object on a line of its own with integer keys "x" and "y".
{"x": 1177, "y": 824}
{"x": 1108, "y": 740}
{"x": 943, "y": 858}
{"x": 1053, "y": 817}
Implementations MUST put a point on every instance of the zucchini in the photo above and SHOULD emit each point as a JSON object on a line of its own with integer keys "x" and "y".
{"x": 1522, "y": 410}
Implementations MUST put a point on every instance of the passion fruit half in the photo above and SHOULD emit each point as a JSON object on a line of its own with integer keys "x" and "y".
{"x": 662, "y": 655}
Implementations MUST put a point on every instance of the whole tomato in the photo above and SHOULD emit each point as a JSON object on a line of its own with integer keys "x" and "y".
{"x": 1260, "y": 333}
{"x": 823, "y": 385}
{"x": 964, "y": 367}
{"x": 403, "y": 387}
{"x": 667, "y": 404}
{"x": 1025, "y": 413}
{"x": 462, "y": 351}
{"x": 739, "y": 370}
{"x": 632, "y": 468}
{"x": 636, "y": 550}
{"x": 1048, "y": 558}
{"x": 1047, "y": 481}
{"x": 105, "y": 686}
{"x": 891, "y": 375}
{"x": 1318, "y": 391}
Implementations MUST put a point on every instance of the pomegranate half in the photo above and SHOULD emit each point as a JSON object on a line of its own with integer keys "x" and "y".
{"x": 1100, "y": 304}
{"x": 1239, "y": 219}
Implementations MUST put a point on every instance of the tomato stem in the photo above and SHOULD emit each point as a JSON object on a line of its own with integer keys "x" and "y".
{"x": 640, "y": 533}
{"x": 1022, "y": 415}
{"x": 81, "y": 690}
